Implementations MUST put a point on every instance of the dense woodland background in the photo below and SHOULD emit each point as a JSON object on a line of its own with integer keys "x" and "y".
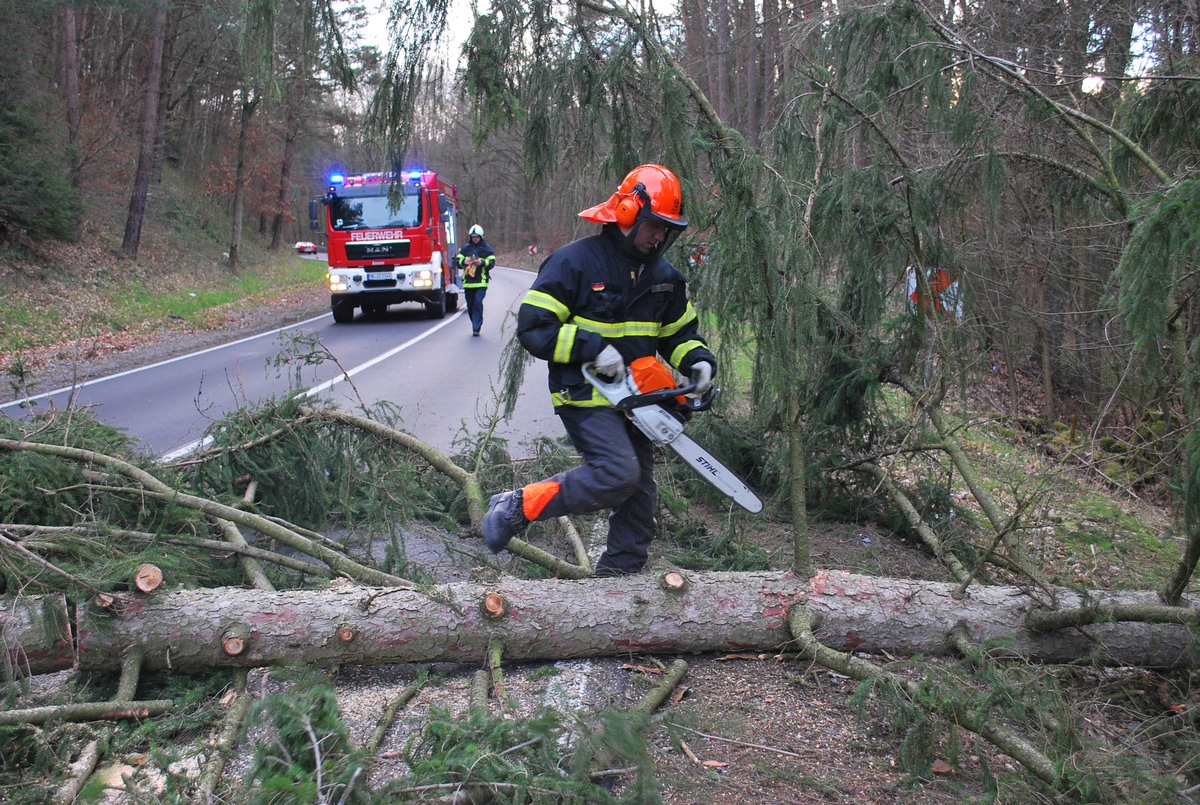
{"x": 894, "y": 203}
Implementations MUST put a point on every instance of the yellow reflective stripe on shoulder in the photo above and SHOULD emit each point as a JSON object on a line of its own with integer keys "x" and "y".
{"x": 687, "y": 318}
{"x": 683, "y": 349}
{"x": 547, "y": 302}
{"x": 564, "y": 345}
{"x": 619, "y": 329}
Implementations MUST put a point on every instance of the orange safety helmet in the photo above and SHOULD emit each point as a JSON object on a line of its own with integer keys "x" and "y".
{"x": 648, "y": 192}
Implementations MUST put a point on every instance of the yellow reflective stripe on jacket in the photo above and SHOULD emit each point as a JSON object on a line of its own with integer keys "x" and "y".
{"x": 683, "y": 349}
{"x": 560, "y": 399}
{"x": 687, "y": 318}
{"x": 565, "y": 343}
{"x": 547, "y": 302}
{"x": 619, "y": 329}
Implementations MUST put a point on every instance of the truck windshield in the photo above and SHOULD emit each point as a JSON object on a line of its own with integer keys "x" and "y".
{"x": 374, "y": 212}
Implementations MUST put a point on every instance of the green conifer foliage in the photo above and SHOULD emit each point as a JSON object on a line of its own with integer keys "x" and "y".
{"x": 37, "y": 200}
{"x": 904, "y": 141}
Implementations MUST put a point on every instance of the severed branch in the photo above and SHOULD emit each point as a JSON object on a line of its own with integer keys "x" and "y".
{"x": 991, "y": 509}
{"x": 389, "y": 715}
{"x": 152, "y": 486}
{"x": 21, "y": 550}
{"x": 225, "y": 740}
{"x": 952, "y": 705}
{"x": 1044, "y": 621}
{"x": 577, "y": 545}
{"x": 289, "y": 562}
{"x": 659, "y": 693}
{"x": 918, "y": 524}
{"x": 435, "y": 459}
{"x": 252, "y": 569}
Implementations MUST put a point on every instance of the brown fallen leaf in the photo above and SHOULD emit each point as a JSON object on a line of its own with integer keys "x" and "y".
{"x": 940, "y": 767}
{"x": 645, "y": 669}
{"x": 715, "y": 764}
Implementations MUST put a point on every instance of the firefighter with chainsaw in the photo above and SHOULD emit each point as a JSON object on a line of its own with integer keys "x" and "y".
{"x": 608, "y": 301}
{"x": 475, "y": 261}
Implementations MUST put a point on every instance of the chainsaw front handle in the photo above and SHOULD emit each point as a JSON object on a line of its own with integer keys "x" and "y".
{"x": 700, "y": 402}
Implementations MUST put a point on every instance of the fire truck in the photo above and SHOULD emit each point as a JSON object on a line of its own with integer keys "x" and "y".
{"x": 392, "y": 238}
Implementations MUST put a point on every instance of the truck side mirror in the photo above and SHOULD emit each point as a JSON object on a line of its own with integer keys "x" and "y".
{"x": 313, "y": 209}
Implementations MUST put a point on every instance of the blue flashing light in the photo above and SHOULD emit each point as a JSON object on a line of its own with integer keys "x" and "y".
{"x": 414, "y": 176}
{"x": 337, "y": 178}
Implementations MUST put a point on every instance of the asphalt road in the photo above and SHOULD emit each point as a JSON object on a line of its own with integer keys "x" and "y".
{"x": 441, "y": 378}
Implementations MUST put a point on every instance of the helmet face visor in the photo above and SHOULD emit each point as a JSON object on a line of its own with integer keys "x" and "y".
{"x": 673, "y": 224}
{"x": 673, "y": 227}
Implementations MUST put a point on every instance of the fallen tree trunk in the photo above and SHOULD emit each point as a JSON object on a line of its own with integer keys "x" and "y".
{"x": 35, "y": 633}
{"x": 556, "y": 619}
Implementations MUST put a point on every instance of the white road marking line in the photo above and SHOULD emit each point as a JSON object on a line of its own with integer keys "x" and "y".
{"x": 202, "y": 443}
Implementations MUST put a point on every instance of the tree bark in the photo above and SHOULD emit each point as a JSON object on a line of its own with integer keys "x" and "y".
{"x": 36, "y": 635}
{"x": 147, "y": 136}
{"x": 71, "y": 85}
{"x": 239, "y": 179}
{"x": 557, "y": 619}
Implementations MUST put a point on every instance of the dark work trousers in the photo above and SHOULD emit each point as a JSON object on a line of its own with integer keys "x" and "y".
{"x": 617, "y": 473}
{"x": 475, "y": 306}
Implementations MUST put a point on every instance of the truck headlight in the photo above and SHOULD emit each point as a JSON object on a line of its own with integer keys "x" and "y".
{"x": 338, "y": 284}
{"x": 422, "y": 279}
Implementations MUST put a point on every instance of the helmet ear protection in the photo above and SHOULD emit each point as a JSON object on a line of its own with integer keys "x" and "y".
{"x": 629, "y": 206}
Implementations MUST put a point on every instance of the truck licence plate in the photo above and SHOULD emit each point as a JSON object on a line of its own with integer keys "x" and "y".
{"x": 379, "y": 275}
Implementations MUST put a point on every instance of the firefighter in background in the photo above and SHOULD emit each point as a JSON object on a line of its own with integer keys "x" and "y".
{"x": 607, "y": 299}
{"x": 475, "y": 261}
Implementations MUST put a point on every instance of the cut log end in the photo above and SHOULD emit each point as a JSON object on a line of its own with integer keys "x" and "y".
{"x": 147, "y": 578}
{"x": 674, "y": 581}
{"x": 494, "y": 605}
{"x": 233, "y": 642}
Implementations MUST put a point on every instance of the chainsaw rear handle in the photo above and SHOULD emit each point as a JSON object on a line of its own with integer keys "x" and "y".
{"x": 701, "y": 402}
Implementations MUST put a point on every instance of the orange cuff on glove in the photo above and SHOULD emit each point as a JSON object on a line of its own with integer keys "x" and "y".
{"x": 535, "y": 497}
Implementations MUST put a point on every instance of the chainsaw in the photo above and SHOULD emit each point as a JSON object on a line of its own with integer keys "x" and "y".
{"x": 661, "y": 414}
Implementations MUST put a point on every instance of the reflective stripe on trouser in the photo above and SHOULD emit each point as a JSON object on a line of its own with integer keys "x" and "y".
{"x": 617, "y": 473}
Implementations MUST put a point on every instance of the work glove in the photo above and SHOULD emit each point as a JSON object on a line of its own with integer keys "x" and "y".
{"x": 702, "y": 374}
{"x": 609, "y": 363}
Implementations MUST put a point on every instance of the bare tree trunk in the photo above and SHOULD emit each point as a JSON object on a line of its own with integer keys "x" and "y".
{"x": 663, "y": 613}
{"x": 1184, "y": 571}
{"x": 285, "y": 169}
{"x": 1047, "y": 356}
{"x": 71, "y": 71}
{"x": 239, "y": 181}
{"x": 147, "y": 135}
{"x": 721, "y": 11}
{"x": 801, "y": 561}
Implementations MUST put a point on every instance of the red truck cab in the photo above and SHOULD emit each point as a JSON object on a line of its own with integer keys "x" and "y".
{"x": 391, "y": 238}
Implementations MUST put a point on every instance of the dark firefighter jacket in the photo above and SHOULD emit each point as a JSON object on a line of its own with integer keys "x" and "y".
{"x": 586, "y": 296}
{"x": 483, "y": 272}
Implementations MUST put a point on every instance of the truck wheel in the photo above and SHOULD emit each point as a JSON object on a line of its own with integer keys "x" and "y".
{"x": 343, "y": 310}
{"x": 452, "y": 302}
{"x": 436, "y": 306}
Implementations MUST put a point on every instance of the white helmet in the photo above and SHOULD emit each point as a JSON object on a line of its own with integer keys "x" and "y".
{"x": 474, "y": 231}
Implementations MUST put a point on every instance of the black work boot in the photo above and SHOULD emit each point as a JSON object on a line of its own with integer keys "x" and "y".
{"x": 504, "y": 519}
